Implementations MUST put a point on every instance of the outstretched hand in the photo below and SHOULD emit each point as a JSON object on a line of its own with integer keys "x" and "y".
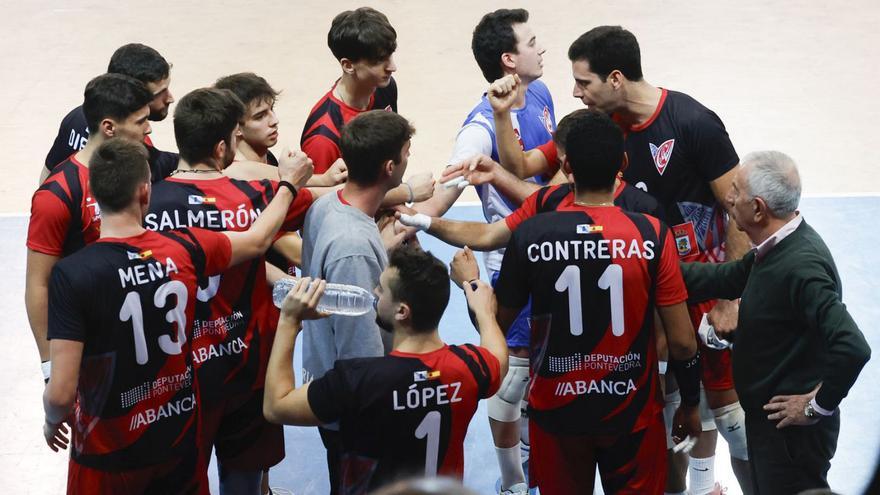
{"x": 476, "y": 170}
{"x": 336, "y": 174}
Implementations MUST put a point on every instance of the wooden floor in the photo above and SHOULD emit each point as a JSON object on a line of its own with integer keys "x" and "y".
{"x": 795, "y": 76}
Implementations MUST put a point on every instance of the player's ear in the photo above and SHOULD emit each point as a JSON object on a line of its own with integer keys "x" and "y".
{"x": 220, "y": 150}
{"x": 403, "y": 312}
{"x": 347, "y": 65}
{"x": 508, "y": 61}
{"x": 107, "y": 127}
{"x": 388, "y": 168}
{"x": 144, "y": 192}
{"x": 616, "y": 78}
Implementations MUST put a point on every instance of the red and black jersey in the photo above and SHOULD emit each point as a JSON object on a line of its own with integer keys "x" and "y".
{"x": 130, "y": 301}
{"x": 674, "y": 156}
{"x": 320, "y": 136}
{"x": 404, "y": 414}
{"x": 594, "y": 275}
{"x": 64, "y": 216}
{"x": 235, "y": 322}
{"x": 560, "y": 196}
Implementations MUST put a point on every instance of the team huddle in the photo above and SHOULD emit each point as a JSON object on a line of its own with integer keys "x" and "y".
{"x": 617, "y": 245}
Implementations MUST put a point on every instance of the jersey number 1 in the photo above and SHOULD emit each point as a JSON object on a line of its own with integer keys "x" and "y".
{"x": 132, "y": 310}
{"x": 430, "y": 427}
{"x": 612, "y": 278}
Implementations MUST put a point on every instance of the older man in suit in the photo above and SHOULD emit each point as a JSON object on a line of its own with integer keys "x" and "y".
{"x": 797, "y": 350}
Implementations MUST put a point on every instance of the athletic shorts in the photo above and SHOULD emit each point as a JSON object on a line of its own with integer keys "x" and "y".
{"x": 633, "y": 463}
{"x": 181, "y": 475}
{"x": 240, "y": 435}
{"x": 717, "y": 365}
{"x": 518, "y": 333}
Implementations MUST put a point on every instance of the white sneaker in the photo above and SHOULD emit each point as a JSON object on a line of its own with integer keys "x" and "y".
{"x": 517, "y": 489}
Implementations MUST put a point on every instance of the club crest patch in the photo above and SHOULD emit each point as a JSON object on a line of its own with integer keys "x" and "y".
{"x": 548, "y": 122}
{"x": 662, "y": 154}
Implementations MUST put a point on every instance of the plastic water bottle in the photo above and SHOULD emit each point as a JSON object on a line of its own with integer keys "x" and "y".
{"x": 338, "y": 299}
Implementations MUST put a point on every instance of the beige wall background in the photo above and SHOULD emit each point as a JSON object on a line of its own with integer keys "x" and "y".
{"x": 795, "y": 76}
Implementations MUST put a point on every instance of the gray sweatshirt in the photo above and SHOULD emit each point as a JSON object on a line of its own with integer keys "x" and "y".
{"x": 341, "y": 244}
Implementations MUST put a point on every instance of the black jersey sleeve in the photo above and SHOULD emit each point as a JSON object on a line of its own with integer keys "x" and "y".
{"x": 162, "y": 163}
{"x": 72, "y": 136}
{"x": 66, "y": 320}
{"x": 330, "y": 394}
{"x": 512, "y": 288}
{"x": 713, "y": 151}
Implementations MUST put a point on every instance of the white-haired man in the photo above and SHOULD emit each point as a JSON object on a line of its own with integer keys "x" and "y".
{"x": 797, "y": 349}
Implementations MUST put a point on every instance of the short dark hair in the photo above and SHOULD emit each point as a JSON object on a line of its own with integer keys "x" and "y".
{"x": 140, "y": 62}
{"x": 203, "y": 118}
{"x": 371, "y": 139}
{"x": 116, "y": 169}
{"x": 248, "y": 87}
{"x": 423, "y": 283}
{"x": 113, "y": 96}
{"x": 594, "y": 148}
{"x": 493, "y": 37}
{"x": 609, "y": 48}
{"x": 362, "y": 34}
{"x": 564, "y": 125}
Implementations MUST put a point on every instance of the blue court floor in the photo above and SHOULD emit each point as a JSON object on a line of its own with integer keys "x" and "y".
{"x": 848, "y": 225}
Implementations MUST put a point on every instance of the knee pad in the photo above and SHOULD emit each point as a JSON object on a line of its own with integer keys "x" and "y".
{"x": 731, "y": 421}
{"x": 707, "y": 416}
{"x": 504, "y": 405}
{"x": 671, "y": 403}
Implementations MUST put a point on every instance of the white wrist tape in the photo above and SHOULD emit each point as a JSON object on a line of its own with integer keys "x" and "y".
{"x": 685, "y": 445}
{"x": 459, "y": 182}
{"x": 419, "y": 221}
{"x": 47, "y": 369}
{"x": 662, "y": 366}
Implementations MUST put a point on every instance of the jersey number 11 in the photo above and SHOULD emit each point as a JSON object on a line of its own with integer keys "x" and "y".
{"x": 612, "y": 278}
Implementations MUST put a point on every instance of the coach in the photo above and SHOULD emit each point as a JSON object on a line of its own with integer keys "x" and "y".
{"x": 797, "y": 349}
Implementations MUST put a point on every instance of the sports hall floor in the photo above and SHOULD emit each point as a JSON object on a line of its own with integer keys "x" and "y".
{"x": 795, "y": 76}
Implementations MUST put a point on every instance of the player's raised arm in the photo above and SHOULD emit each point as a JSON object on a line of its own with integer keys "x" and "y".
{"x": 283, "y": 403}
{"x": 294, "y": 168}
{"x": 478, "y": 235}
{"x": 481, "y": 300}
{"x": 502, "y": 94}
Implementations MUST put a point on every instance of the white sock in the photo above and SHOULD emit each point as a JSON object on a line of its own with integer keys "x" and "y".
{"x": 701, "y": 473}
{"x": 511, "y": 466}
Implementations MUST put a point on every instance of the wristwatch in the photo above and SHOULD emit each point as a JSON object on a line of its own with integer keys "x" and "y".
{"x": 809, "y": 412}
